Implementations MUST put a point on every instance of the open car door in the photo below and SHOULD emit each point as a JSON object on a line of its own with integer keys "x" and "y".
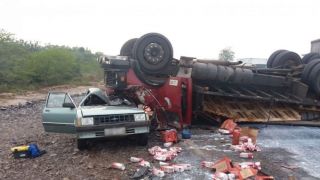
{"x": 59, "y": 114}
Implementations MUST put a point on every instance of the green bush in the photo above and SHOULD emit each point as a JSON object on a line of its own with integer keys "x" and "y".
{"x": 27, "y": 65}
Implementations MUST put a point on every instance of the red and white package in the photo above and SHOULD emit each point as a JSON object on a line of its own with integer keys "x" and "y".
{"x": 116, "y": 165}
{"x": 135, "y": 159}
{"x": 255, "y": 165}
{"x": 156, "y": 149}
{"x": 220, "y": 176}
{"x": 160, "y": 157}
{"x": 163, "y": 163}
{"x": 207, "y": 164}
{"x": 224, "y": 131}
{"x": 144, "y": 163}
{"x": 244, "y": 139}
{"x": 167, "y": 169}
{"x": 178, "y": 168}
{"x": 158, "y": 172}
{"x": 165, "y": 156}
{"x": 186, "y": 167}
{"x": 168, "y": 144}
{"x": 176, "y": 149}
{"x": 247, "y": 155}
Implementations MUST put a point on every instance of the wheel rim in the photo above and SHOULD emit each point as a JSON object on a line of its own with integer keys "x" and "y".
{"x": 153, "y": 53}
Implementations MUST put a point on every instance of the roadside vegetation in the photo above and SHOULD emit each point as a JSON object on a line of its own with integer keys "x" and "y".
{"x": 27, "y": 65}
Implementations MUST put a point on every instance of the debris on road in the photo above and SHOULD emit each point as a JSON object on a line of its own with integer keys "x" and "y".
{"x": 186, "y": 134}
{"x": 117, "y": 165}
{"x": 169, "y": 136}
{"x": 144, "y": 163}
{"x": 135, "y": 159}
{"x": 142, "y": 171}
{"x": 168, "y": 144}
{"x": 27, "y": 151}
{"x": 247, "y": 155}
{"x": 228, "y": 126}
{"x": 157, "y": 172}
{"x": 167, "y": 169}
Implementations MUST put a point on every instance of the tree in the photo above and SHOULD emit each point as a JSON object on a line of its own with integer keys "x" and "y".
{"x": 226, "y": 54}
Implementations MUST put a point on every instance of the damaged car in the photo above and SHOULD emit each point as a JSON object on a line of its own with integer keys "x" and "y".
{"x": 97, "y": 116}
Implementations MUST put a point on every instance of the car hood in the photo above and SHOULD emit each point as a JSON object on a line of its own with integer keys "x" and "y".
{"x": 106, "y": 110}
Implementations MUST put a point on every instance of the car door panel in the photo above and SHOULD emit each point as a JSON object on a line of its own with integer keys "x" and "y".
{"x": 55, "y": 117}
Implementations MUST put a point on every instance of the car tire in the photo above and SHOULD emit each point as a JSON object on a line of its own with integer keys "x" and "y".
{"x": 142, "y": 139}
{"x": 82, "y": 144}
{"x": 126, "y": 49}
{"x": 273, "y": 56}
{"x": 286, "y": 60}
{"x": 308, "y": 69}
{"x": 310, "y": 57}
{"x": 157, "y": 44}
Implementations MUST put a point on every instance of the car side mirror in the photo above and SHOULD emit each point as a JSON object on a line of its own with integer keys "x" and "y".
{"x": 69, "y": 105}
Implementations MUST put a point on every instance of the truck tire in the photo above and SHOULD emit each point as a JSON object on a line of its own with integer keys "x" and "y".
{"x": 142, "y": 139}
{"x": 204, "y": 71}
{"x": 314, "y": 79}
{"x": 309, "y": 57}
{"x": 273, "y": 56}
{"x": 308, "y": 69}
{"x": 199, "y": 71}
{"x": 126, "y": 49}
{"x": 82, "y": 144}
{"x": 286, "y": 59}
{"x": 224, "y": 73}
{"x": 147, "y": 79}
{"x": 153, "y": 51}
{"x": 212, "y": 72}
{"x": 242, "y": 76}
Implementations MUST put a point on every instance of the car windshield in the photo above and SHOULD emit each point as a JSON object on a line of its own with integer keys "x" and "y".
{"x": 99, "y": 100}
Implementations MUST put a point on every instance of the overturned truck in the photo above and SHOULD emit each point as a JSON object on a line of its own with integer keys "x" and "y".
{"x": 186, "y": 89}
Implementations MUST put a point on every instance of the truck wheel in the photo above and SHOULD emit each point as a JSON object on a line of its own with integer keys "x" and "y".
{"x": 224, "y": 73}
{"x": 153, "y": 51}
{"x": 142, "y": 139}
{"x": 147, "y": 79}
{"x": 273, "y": 56}
{"x": 286, "y": 60}
{"x": 82, "y": 144}
{"x": 309, "y": 57}
{"x": 308, "y": 69}
{"x": 314, "y": 79}
{"x": 126, "y": 49}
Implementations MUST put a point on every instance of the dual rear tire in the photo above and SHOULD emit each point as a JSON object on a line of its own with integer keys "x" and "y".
{"x": 283, "y": 59}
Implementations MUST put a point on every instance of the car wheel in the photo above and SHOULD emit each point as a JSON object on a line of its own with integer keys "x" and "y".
{"x": 82, "y": 144}
{"x": 310, "y": 57}
{"x": 308, "y": 69}
{"x": 286, "y": 59}
{"x": 273, "y": 56}
{"x": 142, "y": 139}
{"x": 126, "y": 49}
{"x": 153, "y": 51}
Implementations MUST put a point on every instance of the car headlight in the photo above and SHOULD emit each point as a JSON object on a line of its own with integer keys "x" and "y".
{"x": 87, "y": 121}
{"x": 139, "y": 117}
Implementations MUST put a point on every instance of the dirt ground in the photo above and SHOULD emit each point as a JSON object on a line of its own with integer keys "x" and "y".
{"x": 15, "y": 99}
{"x": 22, "y": 125}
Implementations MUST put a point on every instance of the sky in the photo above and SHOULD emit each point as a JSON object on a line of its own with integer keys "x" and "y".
{"x": 197, "y": 28}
